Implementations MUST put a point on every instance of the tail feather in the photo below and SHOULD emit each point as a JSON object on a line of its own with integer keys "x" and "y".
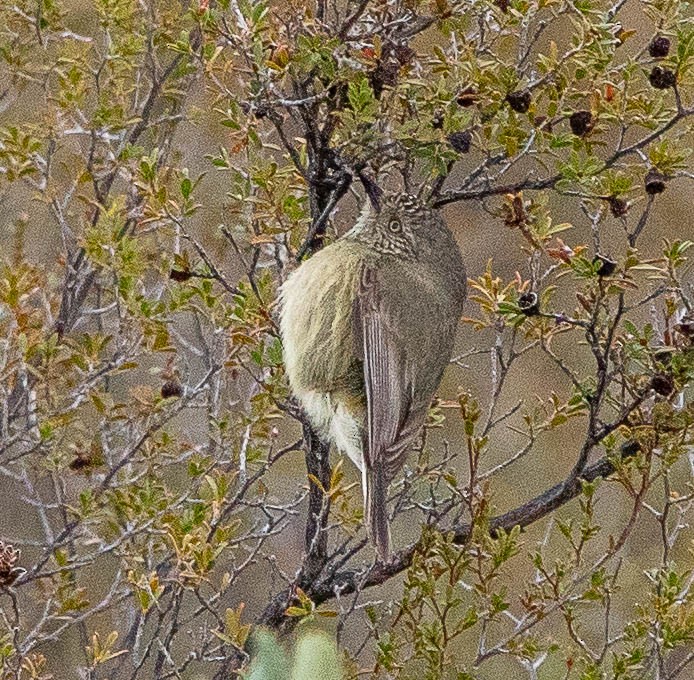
{"x": 376, "y": 511}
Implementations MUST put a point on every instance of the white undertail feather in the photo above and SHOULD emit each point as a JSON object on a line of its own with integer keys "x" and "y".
{"x": 333, "y": 423}
{"x": 345, "y": 432}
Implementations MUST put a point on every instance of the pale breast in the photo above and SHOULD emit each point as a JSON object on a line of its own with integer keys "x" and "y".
{"x": 315, "y": 319}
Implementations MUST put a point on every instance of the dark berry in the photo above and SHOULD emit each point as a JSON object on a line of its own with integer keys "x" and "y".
{"x": 662, "y": 78}
{"x": 655, "y": 182}
{"x": 607, "y": 266}
{"x": 338, "y": 92}
{"x": 386, "y": 73}
{"x": 403, "y": 53}
{"x": 80, "y": 463}
{"x": 529, "y": 304}
{"x": 460, "y": 141}
{"x": 9, "y": 571}
{"x": 663, "y": 355}
{"x": 466, "y": 97}
{"x": 171, "y": 388}
{"x": 581, "y": 123}
{"x": 390, "y": 70}
{"x": 630, "y": 448}
{"x": 180, "y": 275}
{"x": 437, "y": 119}
{"x": 659, "y": 47}
{"x": 662, "y": 384}
{"x": 519, "y": 100}
{"x": 260, "y": 111}
{"x": 618, "y": 206}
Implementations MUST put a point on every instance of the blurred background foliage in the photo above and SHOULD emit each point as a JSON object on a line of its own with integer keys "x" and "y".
{"x": 163, "y": 165}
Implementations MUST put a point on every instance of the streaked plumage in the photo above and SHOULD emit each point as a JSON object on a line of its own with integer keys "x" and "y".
{"x": 368, "y": 325}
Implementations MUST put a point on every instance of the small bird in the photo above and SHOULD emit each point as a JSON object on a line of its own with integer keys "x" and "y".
{"x": 368, "y": 325}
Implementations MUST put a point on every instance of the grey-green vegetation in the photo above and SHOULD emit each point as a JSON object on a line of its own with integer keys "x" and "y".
{"x": 163, "y": 166}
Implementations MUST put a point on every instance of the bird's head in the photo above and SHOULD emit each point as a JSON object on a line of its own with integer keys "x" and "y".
{"x": 401, "y": 225}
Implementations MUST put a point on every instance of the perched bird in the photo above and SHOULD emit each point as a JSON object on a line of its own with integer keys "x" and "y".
{"x": 368, "y": 325}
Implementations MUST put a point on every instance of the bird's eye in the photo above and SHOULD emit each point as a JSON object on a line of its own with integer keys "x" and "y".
{"x": 394, "y": 226}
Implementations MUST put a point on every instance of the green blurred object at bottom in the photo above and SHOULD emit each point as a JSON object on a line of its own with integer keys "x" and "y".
{"x": 316, "y": 657}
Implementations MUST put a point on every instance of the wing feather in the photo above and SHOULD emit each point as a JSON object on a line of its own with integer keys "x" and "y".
{"x": 388, "y": 382}
{"x": 387, "y": 374}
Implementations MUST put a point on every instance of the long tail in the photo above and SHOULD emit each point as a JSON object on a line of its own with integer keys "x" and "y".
{"x": 376, "y": 512}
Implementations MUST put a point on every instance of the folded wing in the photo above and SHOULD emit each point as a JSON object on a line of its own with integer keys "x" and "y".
{"x": 390, "y": 391}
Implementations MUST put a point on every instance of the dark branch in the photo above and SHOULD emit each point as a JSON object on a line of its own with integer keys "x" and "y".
{"x": 314, "y": 237}
{"x": 353, "y": 580}
{"x": 316, "y": 538}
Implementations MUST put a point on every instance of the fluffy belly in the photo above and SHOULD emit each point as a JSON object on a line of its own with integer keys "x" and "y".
{"x": 335, "y": 423}
{"x": 316, "y": 327}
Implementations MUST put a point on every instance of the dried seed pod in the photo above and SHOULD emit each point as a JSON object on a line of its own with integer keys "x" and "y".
{"x": 519, "y": 100}
{"x": 581, "y": 123}
{"x": 385, "y": 73}
{"x": 467, "y": 97}
{"x": 623, "y": 34}
{"x": 663, "y": 384}
{"x": 663, "y": 355}
{"x": 662, "y": 78}
{"x": 180, "y": 275}
{"x": 171, "y": 388}
{"x": 280, "y": 55}
{"x": 515, "y": 214}
{"x": 655, "y": 182}
{"x": 79, "y": 463}
{"x": 529, "y": 304}
{"x": 607, "y": 265}
{"x": 9, "y": 571}
{"x": 585, "y": 302}
{"x": 618, "y": 206}
{"x": 659, "y": 47}
{"x": 460, "y": 141}
{"x": 630, "y": 448}
{"x": 402, "y": 53}
{"x": 261, "y": 110}
{"x": 87, "y": 459}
